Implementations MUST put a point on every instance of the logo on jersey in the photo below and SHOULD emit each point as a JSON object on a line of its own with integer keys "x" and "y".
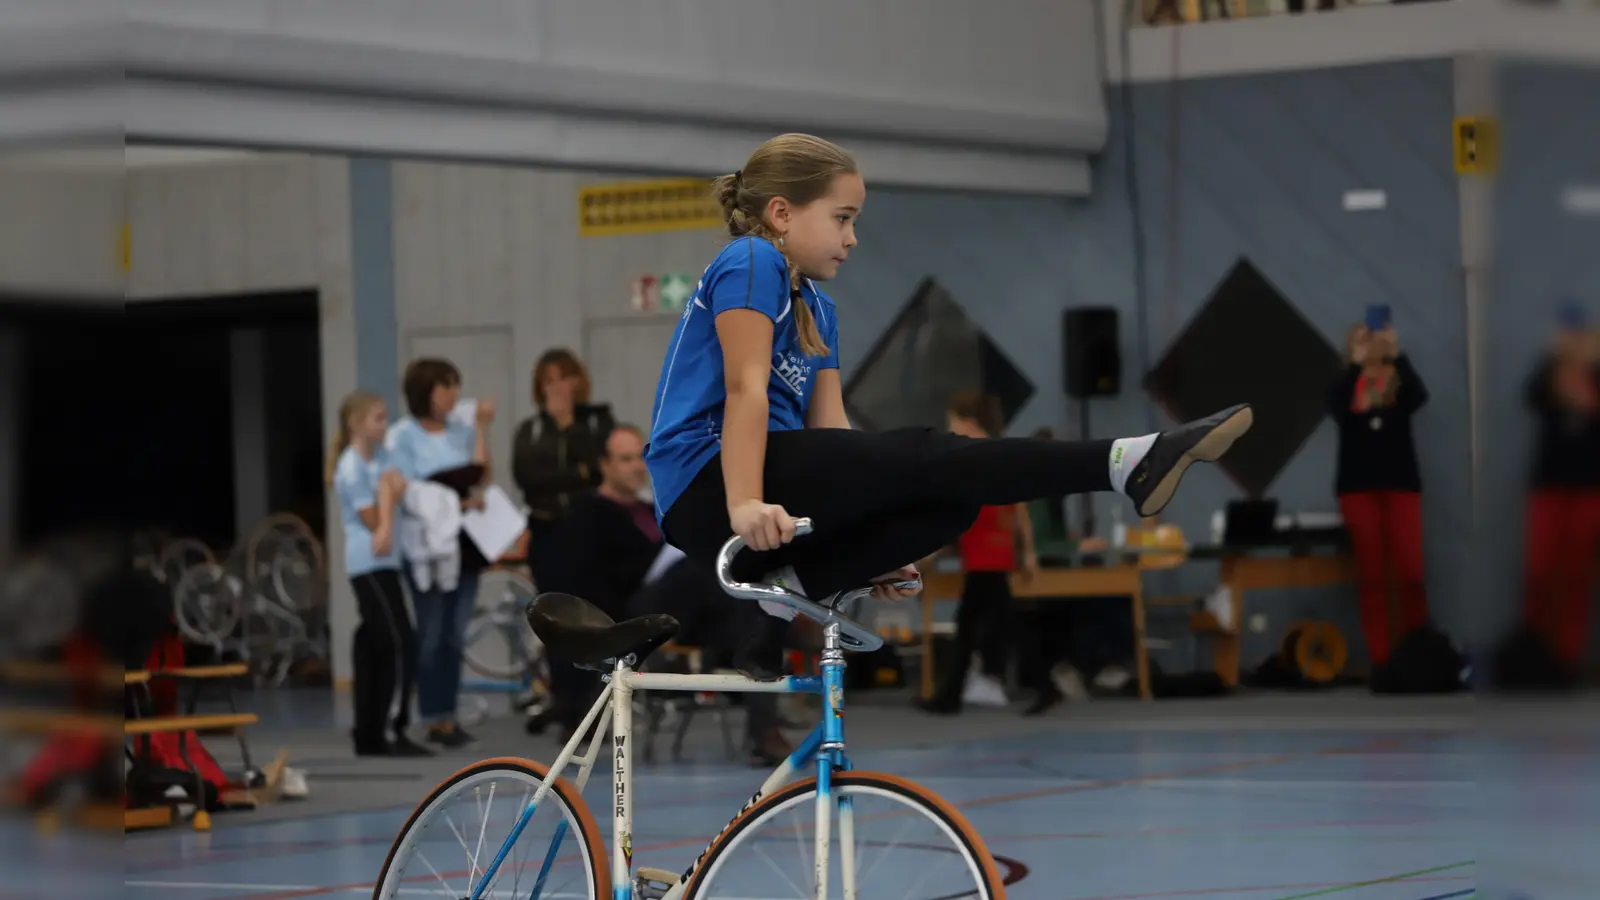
{"x": 792, "y": 370}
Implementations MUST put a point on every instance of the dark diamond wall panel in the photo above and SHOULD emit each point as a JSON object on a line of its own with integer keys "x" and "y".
{"x": 1249, "y": 344}
{"x": 930, "y": 352}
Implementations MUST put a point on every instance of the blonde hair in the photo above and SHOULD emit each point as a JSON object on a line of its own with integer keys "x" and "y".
{"x": 800, "y": 168}
{"x": 357, "y": 403}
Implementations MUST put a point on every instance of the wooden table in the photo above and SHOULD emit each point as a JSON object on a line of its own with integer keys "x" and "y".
{"x": 1118, "y": 580}
{"x": 1259, "y": 572}
{"x": 1241, "y": 572}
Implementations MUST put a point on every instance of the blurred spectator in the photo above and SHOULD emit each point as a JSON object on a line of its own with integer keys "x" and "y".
{"x": 988, "y": 557}
{"x": 1563, "y": 542}
{"x": 555, "y": 459}
{"x": 432, "y": 445}
{"x": 1379, "y": 483}
{"x": 616, "y": 544}
{"x": 384, "y": 654}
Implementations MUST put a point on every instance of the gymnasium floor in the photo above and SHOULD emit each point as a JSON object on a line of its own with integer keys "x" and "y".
{"x": 1266, "y": 797}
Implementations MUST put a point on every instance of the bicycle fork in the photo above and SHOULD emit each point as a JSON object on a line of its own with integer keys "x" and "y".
{"x": 830, "y": 759}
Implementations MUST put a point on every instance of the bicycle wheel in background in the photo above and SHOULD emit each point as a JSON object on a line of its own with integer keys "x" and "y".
{"x": 908, "y": 843}
{"x": 471, "y": 814}
{"x": 499, "y": 644}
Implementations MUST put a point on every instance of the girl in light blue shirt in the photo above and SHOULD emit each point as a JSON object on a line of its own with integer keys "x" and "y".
{"x": 384, "y": 648}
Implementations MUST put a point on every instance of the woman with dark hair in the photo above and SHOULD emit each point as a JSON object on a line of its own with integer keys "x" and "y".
{"x": 1380, "y": 484}
{"x": 555, "y": 459}
{"x": 434, "y": 444}
{"x": 555, "y": 456}
{"x": 1563, "y": 538}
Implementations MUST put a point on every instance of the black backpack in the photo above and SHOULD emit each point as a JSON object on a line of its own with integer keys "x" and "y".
{"x": 1526, "y": 661}
{"x": 1425, "y": 661}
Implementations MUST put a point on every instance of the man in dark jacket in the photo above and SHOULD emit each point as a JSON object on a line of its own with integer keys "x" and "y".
{"x": 613, "y": 542}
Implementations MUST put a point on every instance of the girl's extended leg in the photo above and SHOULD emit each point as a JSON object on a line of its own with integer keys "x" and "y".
{"x": 845, "y": 480}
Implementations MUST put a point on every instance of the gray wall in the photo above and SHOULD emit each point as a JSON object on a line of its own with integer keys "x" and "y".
{"x": 1543, "y": 253}
{"x": 1242, "y": 166}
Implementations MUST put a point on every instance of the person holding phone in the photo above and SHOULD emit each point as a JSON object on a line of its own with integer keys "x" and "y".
{"x": 1379, "y": 482}
{"x": 1563, "y": 536}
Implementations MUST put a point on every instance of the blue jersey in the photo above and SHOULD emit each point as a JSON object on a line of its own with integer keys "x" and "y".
{"x": 749, "y": 273}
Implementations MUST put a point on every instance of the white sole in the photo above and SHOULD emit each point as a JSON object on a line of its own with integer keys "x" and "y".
{"x": 1208, "y": 449}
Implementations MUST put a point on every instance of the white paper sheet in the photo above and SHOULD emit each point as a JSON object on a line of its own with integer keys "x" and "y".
{"x": 664, "y": 560}
{"x": 495, "y": 527}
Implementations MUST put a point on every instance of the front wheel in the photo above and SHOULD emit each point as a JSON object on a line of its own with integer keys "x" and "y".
{"x": 891, "y": 837}
{"x": 469, "y": 818}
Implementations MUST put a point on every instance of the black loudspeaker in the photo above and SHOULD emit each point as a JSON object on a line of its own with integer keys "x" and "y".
{"x": 1091, "y": 353}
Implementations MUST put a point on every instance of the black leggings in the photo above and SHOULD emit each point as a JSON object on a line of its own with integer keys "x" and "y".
{"x": 385, "y": 654}
{"x": 880, "y": 500}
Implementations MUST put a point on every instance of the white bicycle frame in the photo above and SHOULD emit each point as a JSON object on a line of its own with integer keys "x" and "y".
{"x": 612, "y": 715}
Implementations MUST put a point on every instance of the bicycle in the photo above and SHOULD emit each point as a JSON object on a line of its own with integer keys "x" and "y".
{"x": 835, "y": 791}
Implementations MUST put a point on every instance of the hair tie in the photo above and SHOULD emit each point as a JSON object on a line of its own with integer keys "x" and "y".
{"x": 738, "y": 176}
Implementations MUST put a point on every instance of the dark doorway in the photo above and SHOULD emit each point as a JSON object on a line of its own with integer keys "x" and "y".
{"x": 158, "y": 396}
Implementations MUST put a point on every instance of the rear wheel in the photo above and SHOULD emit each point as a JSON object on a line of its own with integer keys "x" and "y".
{"x": 468, "y": 818}
{"x": 902, "y": 841}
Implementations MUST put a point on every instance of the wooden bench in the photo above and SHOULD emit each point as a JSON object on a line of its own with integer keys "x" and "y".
{"x": 232, "y": 722}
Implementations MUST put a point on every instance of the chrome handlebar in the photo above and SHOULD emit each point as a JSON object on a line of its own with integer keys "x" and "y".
{"x": 852, "y": 634}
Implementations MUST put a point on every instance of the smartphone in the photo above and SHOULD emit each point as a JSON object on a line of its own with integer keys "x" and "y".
{"x": 1378, "y": 317}
{"x": 1572, "y": 316}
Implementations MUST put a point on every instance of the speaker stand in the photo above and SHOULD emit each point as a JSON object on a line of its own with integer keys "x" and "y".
{"x": 1086, "y": 511}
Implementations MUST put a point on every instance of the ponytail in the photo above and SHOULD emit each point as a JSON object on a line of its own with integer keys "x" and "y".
{"x": 341, "y": 440}
{"x": 355, "y": 404}
{"x": 801, "y": 169}
{"x": 811, "y": 342}
{"x": 727, "y": 191}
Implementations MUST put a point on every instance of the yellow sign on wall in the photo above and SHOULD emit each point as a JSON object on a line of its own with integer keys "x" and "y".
{"x": 642, "y": 207}
{"x": 1477, "y": 143}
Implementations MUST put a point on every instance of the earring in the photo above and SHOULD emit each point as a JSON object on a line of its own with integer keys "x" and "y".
{"x": 780, "y": 240}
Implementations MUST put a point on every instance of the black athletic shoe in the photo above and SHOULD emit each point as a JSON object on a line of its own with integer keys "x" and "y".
{"x": 760, "y": 657}
{"x": 1046, "y": 700}
{"x": 404, "y": 746}
{"x": 1151, "y": 483}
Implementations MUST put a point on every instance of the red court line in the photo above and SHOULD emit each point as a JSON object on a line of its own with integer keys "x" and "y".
{"x": 1102, "y": 784}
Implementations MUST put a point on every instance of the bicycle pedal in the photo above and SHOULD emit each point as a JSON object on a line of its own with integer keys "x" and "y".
{"x": 653, "y": 884}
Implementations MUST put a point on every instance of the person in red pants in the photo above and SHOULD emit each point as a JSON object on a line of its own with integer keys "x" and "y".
{"x": 1563, "y": 549}
{"x": 1379, "y": 484}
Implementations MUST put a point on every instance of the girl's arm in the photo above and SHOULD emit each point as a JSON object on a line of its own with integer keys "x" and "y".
{"x": 827, "y": 402}
{"x": 390, "y": 485}
{"x": 1342, "y": 391}
{"x": 1030, "y": 551}
{"x": 1540, "y": 391}
{"x": 1412, "y": 394}
{"x": 746, "y": 339}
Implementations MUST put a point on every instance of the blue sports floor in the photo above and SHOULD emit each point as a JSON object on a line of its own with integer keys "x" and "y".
{"x": 1274, "y": 798}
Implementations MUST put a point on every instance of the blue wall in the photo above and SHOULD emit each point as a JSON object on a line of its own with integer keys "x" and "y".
{"x": 1250, "y": 166}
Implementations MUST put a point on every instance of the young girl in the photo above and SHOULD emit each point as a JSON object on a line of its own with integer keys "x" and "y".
{"x": 750, "y": 428}
{"x": 1380, "y": 484}
{"x": 385, "y": 646}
